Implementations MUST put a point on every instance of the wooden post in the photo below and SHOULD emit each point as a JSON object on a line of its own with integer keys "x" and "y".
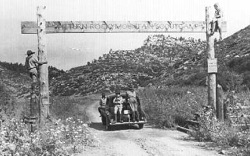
{"x": 43, "y": 69}
{"x": 211, "y": 56}
{"x": 34, "y": 110}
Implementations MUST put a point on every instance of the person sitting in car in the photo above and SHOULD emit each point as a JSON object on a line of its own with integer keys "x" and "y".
{"x": 118, "y": 104}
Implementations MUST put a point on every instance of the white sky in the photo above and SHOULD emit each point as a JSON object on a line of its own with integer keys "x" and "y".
{"x": 13, "y": 44}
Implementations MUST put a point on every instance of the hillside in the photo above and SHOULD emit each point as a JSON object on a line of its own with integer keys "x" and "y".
{"x": 161, "y": 60}
{"x": 159, "y": 55}
{"x": 14, "y": 77}
{"x": 14, "y": 81}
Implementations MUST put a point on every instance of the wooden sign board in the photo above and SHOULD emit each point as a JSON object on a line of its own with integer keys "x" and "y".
{"x": 30, "y": 27}
{"x": 212, "y": 65}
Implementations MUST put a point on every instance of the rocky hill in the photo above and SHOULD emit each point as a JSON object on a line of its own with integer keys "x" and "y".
{"x": 138, "y": 67}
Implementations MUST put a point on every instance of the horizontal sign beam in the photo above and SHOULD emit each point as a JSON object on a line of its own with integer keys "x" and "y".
{"x": 30, "y": 27}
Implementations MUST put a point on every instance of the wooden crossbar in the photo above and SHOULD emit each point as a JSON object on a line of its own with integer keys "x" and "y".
{"x": 30, "y": 27}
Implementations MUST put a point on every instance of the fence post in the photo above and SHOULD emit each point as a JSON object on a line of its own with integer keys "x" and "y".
{"x": 220, "y": 104}
{"x": 33, "y": 111}
{"x": 225, "y": 109}
{"x": 43, "y": 69}
{"x": 211, "y": 56}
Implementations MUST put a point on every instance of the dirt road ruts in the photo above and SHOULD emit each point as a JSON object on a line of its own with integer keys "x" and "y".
{"x": 149, "y": 141}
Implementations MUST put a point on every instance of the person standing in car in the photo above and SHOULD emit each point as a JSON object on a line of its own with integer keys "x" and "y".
{"x": 103, "y": 104}
{"x": 118, "y": 105}
{"x": 132, "y": 100}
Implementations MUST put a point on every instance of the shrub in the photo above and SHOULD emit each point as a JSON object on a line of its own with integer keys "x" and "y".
{"x": 223, "y": 133}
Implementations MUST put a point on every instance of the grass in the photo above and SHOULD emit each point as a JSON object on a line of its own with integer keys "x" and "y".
{"x": 64, "y": 107}
{"x": 170, "y": 106}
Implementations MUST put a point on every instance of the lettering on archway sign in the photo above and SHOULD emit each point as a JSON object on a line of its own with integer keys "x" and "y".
{"x": 30, "y": 27}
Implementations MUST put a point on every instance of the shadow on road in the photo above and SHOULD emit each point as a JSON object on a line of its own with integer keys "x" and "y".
{"x": 100, "y": 127}
{"x": 97, "y": 125}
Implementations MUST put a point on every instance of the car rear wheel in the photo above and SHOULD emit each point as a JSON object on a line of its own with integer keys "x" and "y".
{"x": 108, "y": 127}
{"x": 107, "y": 123}
{"x": 140, "y": 126}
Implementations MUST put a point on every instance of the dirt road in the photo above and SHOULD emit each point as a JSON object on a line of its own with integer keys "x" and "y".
{"x": 148, "y": 141}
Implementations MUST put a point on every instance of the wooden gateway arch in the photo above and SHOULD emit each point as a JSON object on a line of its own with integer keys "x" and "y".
{"x": 42, "y": 27}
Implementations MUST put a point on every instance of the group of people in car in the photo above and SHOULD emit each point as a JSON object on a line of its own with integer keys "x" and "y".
{"x": 118, "y": 105}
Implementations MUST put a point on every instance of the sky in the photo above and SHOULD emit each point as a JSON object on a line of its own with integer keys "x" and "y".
{"x": 70, "y": 50}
